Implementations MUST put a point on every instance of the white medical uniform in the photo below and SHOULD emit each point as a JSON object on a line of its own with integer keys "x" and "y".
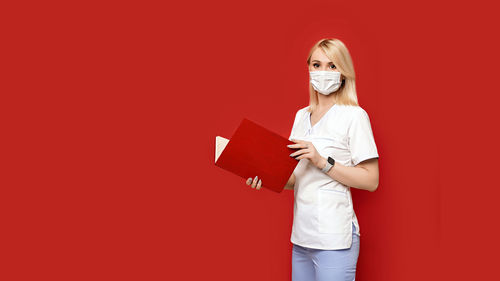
{"x": 323, "y": 211}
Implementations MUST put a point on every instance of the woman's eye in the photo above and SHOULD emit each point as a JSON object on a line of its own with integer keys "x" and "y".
{"x": 332, "y": 66}
{"x": 315, "y": 65}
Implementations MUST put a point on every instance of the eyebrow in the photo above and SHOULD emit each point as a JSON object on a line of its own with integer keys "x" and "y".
{"x": 319, "y": 61}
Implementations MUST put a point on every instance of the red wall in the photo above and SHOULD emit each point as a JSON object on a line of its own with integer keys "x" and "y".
{"x": 109, "y": 113}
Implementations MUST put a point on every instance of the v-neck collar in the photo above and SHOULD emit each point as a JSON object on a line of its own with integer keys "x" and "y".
{"x": 321, "y": 119}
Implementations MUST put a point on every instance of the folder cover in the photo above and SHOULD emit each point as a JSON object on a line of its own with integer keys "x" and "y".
{"x": 256, "y": 151}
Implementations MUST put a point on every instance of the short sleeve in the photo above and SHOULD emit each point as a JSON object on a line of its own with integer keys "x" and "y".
{"x": 360, "y": 136}
{"x": 294, "y": 125}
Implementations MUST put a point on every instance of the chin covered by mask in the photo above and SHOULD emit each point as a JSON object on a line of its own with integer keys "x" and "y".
{"x": 325, "y": 82}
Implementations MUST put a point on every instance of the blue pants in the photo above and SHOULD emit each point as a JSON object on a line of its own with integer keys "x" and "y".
{"x": 325, "y": 265}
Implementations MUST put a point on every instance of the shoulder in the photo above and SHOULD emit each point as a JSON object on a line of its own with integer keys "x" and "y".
{"x": 300, "y": 112}
{"x": 354, "y": 116}
{"x": 354, "y": 111}
{"x": 303, "y": 109}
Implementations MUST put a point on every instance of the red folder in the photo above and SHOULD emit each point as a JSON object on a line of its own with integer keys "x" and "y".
{"x": 256, "y": 151}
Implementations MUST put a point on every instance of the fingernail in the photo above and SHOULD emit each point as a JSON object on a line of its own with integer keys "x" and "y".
{"x": 260, "y": 181}
{"x": 289, "y": 145}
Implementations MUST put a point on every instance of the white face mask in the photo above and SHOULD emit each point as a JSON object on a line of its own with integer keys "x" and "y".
{"x": 325, "y": 82}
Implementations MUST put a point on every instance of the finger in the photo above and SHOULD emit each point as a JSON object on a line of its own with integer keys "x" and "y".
{"x": 306, "y": 155}
{"x": 249, "y": 181}
{"x": 259, "y": 185}
{"x": 254, "y": 183}
{"x": 297, "y": 145}
{"x": 299, "y": 152}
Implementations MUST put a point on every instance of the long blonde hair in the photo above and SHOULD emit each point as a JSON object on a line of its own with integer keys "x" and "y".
{"x": 337, "y": 52}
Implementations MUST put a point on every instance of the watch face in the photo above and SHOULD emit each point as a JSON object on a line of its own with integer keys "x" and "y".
{"x": 331, "y": 160}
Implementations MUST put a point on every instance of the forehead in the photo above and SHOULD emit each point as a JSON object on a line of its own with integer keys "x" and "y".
{"x": 319, "y": 55}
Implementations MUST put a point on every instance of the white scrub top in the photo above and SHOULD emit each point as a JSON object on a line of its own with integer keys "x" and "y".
{"x": 323, "y": 211}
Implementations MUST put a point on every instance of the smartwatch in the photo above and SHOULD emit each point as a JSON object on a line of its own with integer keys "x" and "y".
{"x": 330, "y": 162}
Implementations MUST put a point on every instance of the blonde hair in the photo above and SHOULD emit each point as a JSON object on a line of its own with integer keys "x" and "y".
{"x": 337, "y": 52}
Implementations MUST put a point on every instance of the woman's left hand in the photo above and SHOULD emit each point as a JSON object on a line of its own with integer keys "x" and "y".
{"x": 307, "y": 151}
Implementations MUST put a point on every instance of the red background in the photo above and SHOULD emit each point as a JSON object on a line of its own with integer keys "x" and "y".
{"x": 109, "y": 112}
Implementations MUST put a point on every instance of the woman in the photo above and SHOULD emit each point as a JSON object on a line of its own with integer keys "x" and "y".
{"x": 336, "y": 151}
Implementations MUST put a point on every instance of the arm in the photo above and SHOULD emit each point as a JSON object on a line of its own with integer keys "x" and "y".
{"x": 291, "y": 182}
{"x": 365, "y": 175}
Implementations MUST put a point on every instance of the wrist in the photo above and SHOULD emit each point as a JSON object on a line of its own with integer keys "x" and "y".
{"x": 330, "y": 162}
{"x": 322, "y": 162}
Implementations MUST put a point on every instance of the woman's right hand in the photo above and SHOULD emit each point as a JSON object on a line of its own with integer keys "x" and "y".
{"x": 255, "y": 182}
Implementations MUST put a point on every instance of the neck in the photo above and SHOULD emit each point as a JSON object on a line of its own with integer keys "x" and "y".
{"x": 326, "y": 101}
